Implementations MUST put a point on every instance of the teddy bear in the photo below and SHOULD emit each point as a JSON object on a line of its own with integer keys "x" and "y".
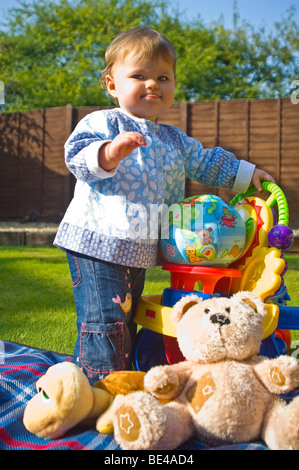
{"x": 224, "y": 392}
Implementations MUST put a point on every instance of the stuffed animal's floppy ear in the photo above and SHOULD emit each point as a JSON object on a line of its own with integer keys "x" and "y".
{"x": 181, "y": 307}
{"x": 252, "y": 300}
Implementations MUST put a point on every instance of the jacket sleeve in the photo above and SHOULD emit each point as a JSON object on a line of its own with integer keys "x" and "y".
{"x": 82, "y": 147}
{"x": 216, "y": 167}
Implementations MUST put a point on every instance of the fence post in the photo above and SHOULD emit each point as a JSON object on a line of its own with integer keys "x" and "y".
{"x": 184, "y": 116}
{"x": 248, "y": 117}
{"x": 70, "y": 119}
{"x": 70, "y": 123}
{"x": 217, "y": 122}
{"x": 279, "y": 138}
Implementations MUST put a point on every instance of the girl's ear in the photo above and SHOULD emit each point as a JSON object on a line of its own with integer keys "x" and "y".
{"x": 110, "y": 85}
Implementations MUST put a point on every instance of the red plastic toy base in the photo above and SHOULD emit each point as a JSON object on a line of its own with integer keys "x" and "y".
{"x": 213, "y": 279}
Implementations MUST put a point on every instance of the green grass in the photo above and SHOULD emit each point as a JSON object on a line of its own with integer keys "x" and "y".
{"x": 36, "y": 299}
{"x": 291, "y": 278}
{"x": 36, "y": 303}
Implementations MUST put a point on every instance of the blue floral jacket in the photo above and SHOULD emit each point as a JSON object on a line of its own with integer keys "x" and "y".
{"x": 114, "y": 216}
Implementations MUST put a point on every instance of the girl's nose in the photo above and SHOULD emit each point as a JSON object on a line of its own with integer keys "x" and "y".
{"x": 151, "y": 84}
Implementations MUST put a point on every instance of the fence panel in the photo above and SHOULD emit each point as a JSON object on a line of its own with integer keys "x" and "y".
{"x": 34, "y": 175}
{"x": 9, "y": 141}
{"x": 30, "y": 162}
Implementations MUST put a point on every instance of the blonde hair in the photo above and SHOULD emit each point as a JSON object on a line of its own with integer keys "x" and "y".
{"x": 145, "y": 41}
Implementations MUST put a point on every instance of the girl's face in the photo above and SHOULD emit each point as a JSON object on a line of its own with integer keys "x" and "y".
{"x": 142, "y": 87}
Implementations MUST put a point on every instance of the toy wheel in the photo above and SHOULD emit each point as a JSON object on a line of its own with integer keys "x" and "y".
{"x": 149, "y": 350}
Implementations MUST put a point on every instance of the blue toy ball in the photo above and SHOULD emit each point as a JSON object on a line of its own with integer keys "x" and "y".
{"x": 202, "y": 231}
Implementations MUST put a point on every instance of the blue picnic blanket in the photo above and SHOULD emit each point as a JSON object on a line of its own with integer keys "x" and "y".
{"x": 20, "y": 368}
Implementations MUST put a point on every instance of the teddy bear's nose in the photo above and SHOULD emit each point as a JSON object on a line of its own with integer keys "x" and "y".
{"x": 221, "y": 319}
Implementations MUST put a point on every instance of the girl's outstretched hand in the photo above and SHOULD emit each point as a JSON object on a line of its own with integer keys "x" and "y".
{"x": 119, "y": 148}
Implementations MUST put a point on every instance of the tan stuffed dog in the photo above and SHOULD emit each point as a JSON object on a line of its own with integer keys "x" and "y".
{"x": 65, "y": 399}
{"x": 223, "y": 393}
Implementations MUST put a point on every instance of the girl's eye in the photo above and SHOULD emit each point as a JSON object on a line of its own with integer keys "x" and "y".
{"x": 162, "y": 78}
{"x": 138, "y": 76}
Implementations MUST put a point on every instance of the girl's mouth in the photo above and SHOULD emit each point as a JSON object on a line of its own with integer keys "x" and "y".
{"x": 151, "y": 96}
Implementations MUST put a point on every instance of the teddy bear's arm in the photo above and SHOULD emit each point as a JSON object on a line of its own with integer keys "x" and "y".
{"x": 166, "y": 382}
{"x": 279, "y": 375}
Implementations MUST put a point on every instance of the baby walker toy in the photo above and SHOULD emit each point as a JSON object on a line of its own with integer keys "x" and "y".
{"x": 217, "y": 249}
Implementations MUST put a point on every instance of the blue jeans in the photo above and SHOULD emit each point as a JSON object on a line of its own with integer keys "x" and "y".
{"x": 105, "y": 296}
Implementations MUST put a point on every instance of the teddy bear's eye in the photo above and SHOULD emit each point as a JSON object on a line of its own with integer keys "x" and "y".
{"x": 207, "y": 310}
{"x": 227, "y": 309}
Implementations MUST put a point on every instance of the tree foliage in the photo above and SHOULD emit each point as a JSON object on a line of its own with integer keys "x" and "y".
{"x": 52, "y": 52}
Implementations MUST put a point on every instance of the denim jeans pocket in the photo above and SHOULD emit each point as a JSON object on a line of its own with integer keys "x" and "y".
{"x": 102, "y": 347}
{"x": 74, "y": 270}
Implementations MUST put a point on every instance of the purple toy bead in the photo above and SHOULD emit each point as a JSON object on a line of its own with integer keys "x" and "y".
{"x": 281, "y": 236}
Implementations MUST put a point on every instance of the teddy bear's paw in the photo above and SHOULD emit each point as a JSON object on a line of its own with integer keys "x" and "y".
{"x": 283, "y": 374}
{"x": 289, "y": 430}
{"x": 291, "y": 370}
{"x": 282, "y": 428}
{"x": 162, "y": 382}
{"x": 138, "y": 421}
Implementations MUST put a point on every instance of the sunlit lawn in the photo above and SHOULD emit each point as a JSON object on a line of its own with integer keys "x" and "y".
{"x": 36, "y": 299}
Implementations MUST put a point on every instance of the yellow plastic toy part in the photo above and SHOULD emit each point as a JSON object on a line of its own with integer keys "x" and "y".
{"x": 260, "y": 265}
{"x": 259, "y": 220}
{"x": 271, "y": 321}
{"x": 155, "y": 317}
{"x": 262, "y": 273}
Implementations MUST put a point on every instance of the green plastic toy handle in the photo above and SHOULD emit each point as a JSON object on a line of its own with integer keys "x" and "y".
{"x": 277, "y": 196}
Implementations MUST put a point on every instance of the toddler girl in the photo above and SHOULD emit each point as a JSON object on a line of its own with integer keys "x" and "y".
{"x": 127, "y": 166}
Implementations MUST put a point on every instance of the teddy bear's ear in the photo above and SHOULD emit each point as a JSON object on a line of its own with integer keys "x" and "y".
{"x": 181, "y": 307}
{"x": 252, "y": 300}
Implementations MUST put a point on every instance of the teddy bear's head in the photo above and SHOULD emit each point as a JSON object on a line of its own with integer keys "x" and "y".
{"x": 219, "y": 328}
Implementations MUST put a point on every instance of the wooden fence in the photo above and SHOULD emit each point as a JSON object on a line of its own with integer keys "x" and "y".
{"x": 34, "y": 176}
